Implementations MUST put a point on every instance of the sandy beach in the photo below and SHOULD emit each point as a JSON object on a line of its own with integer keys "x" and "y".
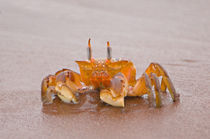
{"x": 38, "y": 38}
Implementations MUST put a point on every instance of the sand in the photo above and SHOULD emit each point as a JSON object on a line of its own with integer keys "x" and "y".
{"x": 38, "y": 38}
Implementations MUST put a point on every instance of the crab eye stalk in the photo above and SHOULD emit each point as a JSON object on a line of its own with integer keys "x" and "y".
{"x": 109, "y": 50}
{"x": 89, "y": 50}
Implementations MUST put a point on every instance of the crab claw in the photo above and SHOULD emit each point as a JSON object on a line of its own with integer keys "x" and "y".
{"x": 116, "y": 93}
{"x": 65, "y": 93}
{"x": 106, "y": 96}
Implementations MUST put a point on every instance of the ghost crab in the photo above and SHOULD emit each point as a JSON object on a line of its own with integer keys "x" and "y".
{"x": 115, "y": 79}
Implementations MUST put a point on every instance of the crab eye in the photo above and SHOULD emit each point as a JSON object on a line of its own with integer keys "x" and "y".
{"x": 109, "y": 50}
{"x": 89, "y": 50}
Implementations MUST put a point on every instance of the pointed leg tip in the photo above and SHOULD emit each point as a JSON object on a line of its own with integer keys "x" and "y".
{"x": 176, "y": 97}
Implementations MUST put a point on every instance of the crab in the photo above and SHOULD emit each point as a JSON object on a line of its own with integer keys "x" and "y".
{"x": 113, "y": 79}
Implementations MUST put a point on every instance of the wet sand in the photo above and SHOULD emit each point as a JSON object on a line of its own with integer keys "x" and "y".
{"x": 38, "y": 38}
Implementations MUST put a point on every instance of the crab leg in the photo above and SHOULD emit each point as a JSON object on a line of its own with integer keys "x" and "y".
{"x": 116, "y": 93}
{"x": 48, "y": 89}
{"x": 144, "y": 86}
{"x": 150, "y": 78}
{"x": 64, "y": 84}
{"x": 155, "y": 82}
{"x": 166, "y": 81}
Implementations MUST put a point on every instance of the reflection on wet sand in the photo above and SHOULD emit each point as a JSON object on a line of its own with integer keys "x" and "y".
{"x": 91, "y": 103}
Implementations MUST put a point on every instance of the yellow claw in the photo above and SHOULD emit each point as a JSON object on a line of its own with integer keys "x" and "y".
{"x": 106, "y": 96}
{"x": 116, "y": 93}
{"x": 65, "y": 93}
{"x": 63, "y": 84}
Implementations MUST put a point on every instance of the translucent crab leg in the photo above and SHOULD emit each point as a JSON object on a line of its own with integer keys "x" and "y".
{"x": 155, "y": 82}
{"x": 166, "y": 82}
{"x": 163, "y": 85}
{"x": 48, "y": 89}
{"x": 144, "y": 86}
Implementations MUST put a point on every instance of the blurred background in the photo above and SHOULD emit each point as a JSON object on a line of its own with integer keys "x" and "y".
{"x": 40, "y": 37}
